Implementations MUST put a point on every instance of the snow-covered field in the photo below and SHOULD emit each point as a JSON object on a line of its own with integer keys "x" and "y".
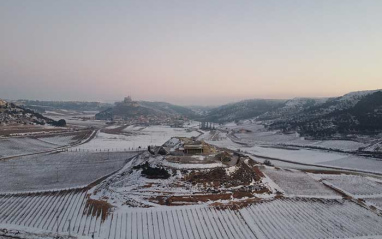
{"x": 134, "y": 137}
{"x": 19, "y": 146}
{"x": 295, "y": 155}
{"x": 77, "y": 118}
{"x": 353, "y": 185}
{"x": 297, "y": 183}
{"x": 286, "y": 165}
{"x": 37, "y": 213}
{"x": 375, "y": 148}
{"x": 299, "y": 155}
{"x": 345, "y": 145}
{"x": 59, "y": 140}
{"x": 286, "y": 218}
{"x": 377, "y": 202}
{"x": 255, "y": 134}
{"x": 317, "y": 157}
{"x": 270, "y": 137}
{"x": 58, "y": 170}
{"x": 14, "y": 146}
{"x": 300, "y": 218}
{"x": 300, "y": 215}
{"x": 304, "y": 156}
{"x": 355, "y": 162}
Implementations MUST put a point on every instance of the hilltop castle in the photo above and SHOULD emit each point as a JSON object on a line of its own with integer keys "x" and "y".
{"x": 127, "y": 99}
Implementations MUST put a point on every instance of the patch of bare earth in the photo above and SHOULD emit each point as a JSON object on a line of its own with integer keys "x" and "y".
{"x": 23, "y": 129}
{"x": 217, "y": 177}
{"x": 97, "y": 208}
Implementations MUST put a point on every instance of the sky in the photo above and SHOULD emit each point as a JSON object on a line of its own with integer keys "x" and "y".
{"x": 188, "y": 52}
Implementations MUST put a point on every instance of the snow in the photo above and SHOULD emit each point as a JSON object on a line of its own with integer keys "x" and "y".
{"x": 353, "y": 185}
{"x": 345, "y": 145}
{"x": 308, "y": 219}
{"x": 296, "y": 155}
{"x": 49, "y": 112}
{"x": 230, "y": 124}
{"x": 231, "y": 170}
{"x": 296, "y": 218}
{"x": 135, "y": 137}
{"x": 253, "y": 134}
{"x": 280, "y": 218}
{"x": 113, "y": 126}
{"x": 172, "y": 142}
{"x": 356, "y": 95}
{"x": 298, "y": 102}
{"x": 59, "y": 140}
{"x": 310, "y": 157}
{"x": 374, "y": 148}
{"x": 23, "y": 145}
{"x": 276, "y": 138}
{"x": 316, "y": 157}
{"x": 76, "y": 118}
{"x": 270, "y": 138}
{"x": 377, "y": 202}
{"x": 74, "y": 169}
{"x": 287, "y": 165}
{"x": 358, "y": 163}
{"x": 297, "y": 183}
{"x": 300, "y": 215}
{"x": 192, "y": 124}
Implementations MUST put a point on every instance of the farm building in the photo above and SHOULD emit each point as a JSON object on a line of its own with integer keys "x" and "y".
{"x": 193, "y": 148}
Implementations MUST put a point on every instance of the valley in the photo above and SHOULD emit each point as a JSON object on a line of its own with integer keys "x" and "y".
{"x": 190, "y": 119}
{"x": 98, "y": 179}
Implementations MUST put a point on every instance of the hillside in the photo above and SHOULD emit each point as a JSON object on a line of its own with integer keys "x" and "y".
{"x": 169, "y": 108}
{"x": 11, "y": 114}
{"x": 42, "y": 106}
{"x": 353, "y": 113}
{"x": 242, "y": 110}
{"x": 290, "y": 108}
{"x": 144, "y": 110}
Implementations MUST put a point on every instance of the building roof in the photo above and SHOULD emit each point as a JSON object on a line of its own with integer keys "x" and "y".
{"x": 193, "y": 146}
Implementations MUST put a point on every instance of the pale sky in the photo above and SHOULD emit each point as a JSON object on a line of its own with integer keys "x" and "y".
{"x": 188, "y": 52}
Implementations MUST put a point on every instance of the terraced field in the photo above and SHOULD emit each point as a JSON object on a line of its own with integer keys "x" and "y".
{"x": 20, "y": 146}
{"x": 282, "y": 218}
{"x": 305, "y": 218}
{"x": 376, "y": 202}
{"x": 41, "y": 210}
{"x": 297, "y": 183}
{"x": 356, "y": 186}
{"x": 17, "y": 146}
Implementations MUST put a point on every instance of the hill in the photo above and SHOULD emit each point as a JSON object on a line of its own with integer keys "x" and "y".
{"x": 242, "y": 110}
{"x": 11, "y": 114}
{"x": 42, "y": 106}
{"x": 169, "y": 108}
{"x": 145, "y": 111}
{"x": 353, "y": 113}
